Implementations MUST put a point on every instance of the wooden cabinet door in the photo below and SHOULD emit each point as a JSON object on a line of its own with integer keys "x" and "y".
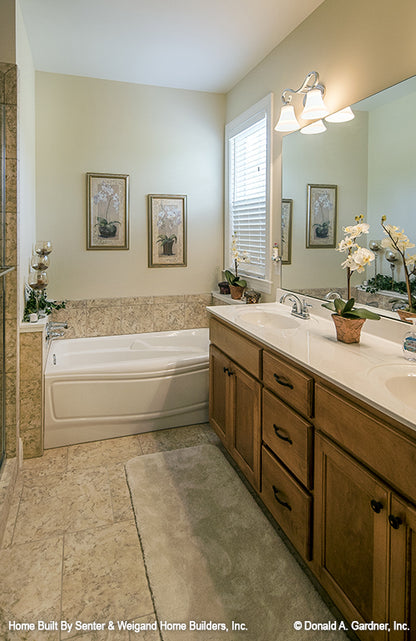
{"x": 351, "y": 536}
{"x": 402, "y": 520}
{"x": 245, "y": 409}
{"x": 219, "y": 395}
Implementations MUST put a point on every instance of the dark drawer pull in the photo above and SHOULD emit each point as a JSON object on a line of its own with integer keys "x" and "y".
{"x": 276, "y": 492}
{"x": 283, "y": 438}
{"x": 395, "y": 521}
{"x": 283, "y": 381}
{"x": 376, "y": 506}
{"x": 225, "y": 369}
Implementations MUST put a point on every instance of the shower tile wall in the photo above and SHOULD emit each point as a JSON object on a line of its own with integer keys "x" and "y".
{"x": 8, "y": 93}
{"x": 114, "y": 316}
{"x": 31, "y": 393}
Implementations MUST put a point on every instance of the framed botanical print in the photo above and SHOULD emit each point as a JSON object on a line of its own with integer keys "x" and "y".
{"x": 167, "y": 231}
{"x": 107, "y": 211}
{"x": 321, "y": 227}
{"x": 286, "y": 230}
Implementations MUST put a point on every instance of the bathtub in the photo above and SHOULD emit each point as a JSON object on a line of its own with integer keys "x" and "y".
{"x": 98, "y": 388}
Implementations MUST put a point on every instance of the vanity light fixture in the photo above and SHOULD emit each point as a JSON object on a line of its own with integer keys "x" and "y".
{"x": 314, "y": 106}
{"x": 343, "y": 115}
{"x": 316, "y": 127}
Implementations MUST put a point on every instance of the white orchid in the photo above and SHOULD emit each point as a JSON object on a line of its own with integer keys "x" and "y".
{"x": 358, "y": 257}
{"x": 357, "y": 230}
{"x": 398, "y": 241}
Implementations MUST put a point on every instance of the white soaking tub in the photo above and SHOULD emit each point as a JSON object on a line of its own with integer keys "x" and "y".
{"x": 97, "y": 388}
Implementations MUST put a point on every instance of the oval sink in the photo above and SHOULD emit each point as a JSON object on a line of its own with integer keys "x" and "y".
{"x": 399, "y": 379}
{"x": 269, "y": 320}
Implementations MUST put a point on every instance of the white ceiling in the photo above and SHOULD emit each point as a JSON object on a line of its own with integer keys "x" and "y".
{"x": 205, "y": 45}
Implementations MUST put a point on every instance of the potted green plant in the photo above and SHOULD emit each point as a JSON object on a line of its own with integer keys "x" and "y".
{"x": 166, "y": 243}
{"x": 44, "y": 305}
{"x": 348, "y": 319}
{"x": 398, "y": 241}
{"x": 237, "y": 284}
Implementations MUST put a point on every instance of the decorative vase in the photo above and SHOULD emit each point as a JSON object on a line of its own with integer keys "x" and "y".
{"x": 404, "y": 315}
{"x": 224, "y": 287}
{"x": 236, "y": 291}
{"x": 348, "y": 329}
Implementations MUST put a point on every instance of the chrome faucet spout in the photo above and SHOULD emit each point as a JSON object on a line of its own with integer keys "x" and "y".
{"x": 299, "y": 309}
{"x": 332, "y": 295}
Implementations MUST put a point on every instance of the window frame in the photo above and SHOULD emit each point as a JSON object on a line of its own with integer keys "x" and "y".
{"x": 262, "y": 108}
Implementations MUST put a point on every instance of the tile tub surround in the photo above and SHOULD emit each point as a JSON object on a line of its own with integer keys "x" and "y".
{"x": 31, "y": 392}
{"x": 71, "y": 542}
{"x": 133, "y": 315}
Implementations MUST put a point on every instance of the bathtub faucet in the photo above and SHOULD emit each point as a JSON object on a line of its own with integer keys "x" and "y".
{"x": 54, "y": 330}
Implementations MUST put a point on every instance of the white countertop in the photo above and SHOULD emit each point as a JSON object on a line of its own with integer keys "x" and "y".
{"x": 361, "y": 369}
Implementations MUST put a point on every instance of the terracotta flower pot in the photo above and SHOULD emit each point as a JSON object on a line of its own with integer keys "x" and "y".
{"x": 404, "y": 315}
{"x": 236, "y": 291}
{"x": 348, "y": 329}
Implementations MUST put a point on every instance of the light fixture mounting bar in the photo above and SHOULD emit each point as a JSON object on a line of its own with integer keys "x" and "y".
{"x": 304, "y": 88}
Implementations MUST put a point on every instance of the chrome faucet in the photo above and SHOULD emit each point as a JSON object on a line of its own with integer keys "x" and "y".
{"x": 299, "y": 309}
{"x": 332, "y": 295}
{"x": 55, "y": 330}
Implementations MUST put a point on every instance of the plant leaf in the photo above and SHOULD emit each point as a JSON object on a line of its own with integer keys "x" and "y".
{"x": 348, "y": 305}
{"x": 330, "y": 306}
{"x": 339, "y": 305}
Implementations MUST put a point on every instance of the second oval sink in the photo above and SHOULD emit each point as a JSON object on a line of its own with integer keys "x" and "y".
{"x": 270, "y": 320}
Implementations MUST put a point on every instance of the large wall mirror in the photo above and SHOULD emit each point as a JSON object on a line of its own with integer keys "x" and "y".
{"x": 371, "y": 161}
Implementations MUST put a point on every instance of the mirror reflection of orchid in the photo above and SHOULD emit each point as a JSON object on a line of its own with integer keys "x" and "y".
{"x": 106, "y": 199}
{"x": 237, "y": 258}
{"x": 357, "y": 257}
{"x": 398, "y": 241}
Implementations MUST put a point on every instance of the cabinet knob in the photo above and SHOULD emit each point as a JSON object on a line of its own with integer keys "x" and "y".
{"x": 376, "y": 506}
{"x": 284, "y": 503}
{"x": 225, "y": 370}
{"x": 230, "y": 373}
{"x": 283, "y": 381}
{"x": 283, "y": 438}
{"x": 395, "y": 521}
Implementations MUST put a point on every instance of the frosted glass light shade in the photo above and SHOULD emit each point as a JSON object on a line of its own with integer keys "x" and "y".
{"x": 343, "y": 115}
{"x": 314, "y": 128}
{"x": 314, "y": 106}
{"x": 287, "y": 120}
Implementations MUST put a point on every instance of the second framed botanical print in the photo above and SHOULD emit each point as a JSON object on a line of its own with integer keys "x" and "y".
{"x": 286, "y": 231}
{"x": 321, "y": 225}
{"x": 167, "y": 231}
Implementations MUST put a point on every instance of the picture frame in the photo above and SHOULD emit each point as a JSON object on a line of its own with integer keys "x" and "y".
{"x": 286, "y": 231}
{"x": 167, "y": 230}
{"x": 321, "y": 225}
{"x": 107, "y": 211}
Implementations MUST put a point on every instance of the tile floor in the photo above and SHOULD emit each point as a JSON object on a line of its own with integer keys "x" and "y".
{"x": 71, "y": 550}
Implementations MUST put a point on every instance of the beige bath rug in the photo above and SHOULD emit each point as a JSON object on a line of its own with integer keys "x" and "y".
{"x": 217, "y": 569}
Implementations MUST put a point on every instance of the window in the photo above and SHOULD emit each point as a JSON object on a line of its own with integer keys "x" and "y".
{"x": 248, "y": 153}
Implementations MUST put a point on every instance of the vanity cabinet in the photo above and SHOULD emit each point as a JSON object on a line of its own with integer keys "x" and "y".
{"x": 235, "y": 406}
{"x": 362, "y": 515}
{"x": 338, "y": 476}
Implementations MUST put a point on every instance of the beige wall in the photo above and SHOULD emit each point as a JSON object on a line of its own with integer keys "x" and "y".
{"x": 168, "y": 141}
{"x": 27, "y": 154}
{"x": 357, "y": 47}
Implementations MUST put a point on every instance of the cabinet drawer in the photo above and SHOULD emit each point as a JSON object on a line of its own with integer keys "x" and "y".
{"x": 380, "y": 447}
{"x": 289, "y": 503}
{"x": 289, "y": 383}
{"x": 240, "y": 349}
{"x": 289, "y": 436}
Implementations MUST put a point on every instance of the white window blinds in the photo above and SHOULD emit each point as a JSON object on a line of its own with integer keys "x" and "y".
{"x": 247, "y": 205}
{"x": 248, "y": 195}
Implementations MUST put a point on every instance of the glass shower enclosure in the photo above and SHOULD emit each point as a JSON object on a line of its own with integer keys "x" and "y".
{"x": 3, "y": 271}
